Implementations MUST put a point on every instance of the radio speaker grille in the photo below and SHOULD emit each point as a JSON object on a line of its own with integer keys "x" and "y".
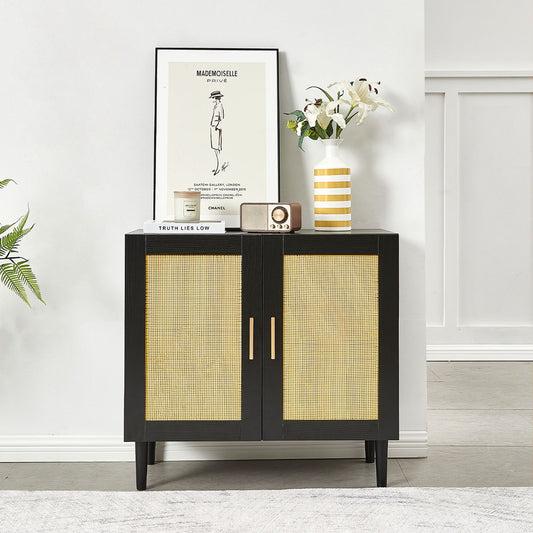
{"x": 193, "y": 337}
{"x": 330, "y": 337}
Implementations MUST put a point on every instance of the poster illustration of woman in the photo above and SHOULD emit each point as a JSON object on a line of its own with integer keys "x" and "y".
{"x": 216, "y": 130}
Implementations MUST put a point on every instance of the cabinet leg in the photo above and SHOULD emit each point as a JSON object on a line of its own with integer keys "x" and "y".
{"x": 151, "y": 453}
{"x": 382, "y": 448}
{"x": 369, "y": 450}
{"x": 141, "y": 463}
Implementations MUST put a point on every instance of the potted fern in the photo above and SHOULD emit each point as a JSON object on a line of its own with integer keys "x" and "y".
{"x": 15, "y": 270}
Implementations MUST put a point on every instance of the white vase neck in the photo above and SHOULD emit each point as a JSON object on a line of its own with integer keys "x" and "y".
{"x": 331, "y": 142}
{"x": 333, "y": 156}
{"x": 332, "y": 146}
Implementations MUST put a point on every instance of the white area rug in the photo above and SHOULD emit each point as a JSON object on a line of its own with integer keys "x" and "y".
{"x": 309, "y": 510}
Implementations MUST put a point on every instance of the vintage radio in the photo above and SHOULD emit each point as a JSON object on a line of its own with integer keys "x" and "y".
{"x": 261, "y": 217}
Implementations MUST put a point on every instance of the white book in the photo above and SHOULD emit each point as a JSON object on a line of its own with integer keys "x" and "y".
{"x": 170, "y": 226}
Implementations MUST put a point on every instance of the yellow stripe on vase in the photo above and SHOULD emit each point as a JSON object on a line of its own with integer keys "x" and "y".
{"x": 333, "y": 210}
{"x": 332, "y": 197}
{"x": 332, "y": 171}
{"x": 333, "y": 223}
{"x": 332, "y": 184}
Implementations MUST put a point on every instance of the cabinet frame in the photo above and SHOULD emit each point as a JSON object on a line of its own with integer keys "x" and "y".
{"x": 262, "y": 378}
{"x": 136, "y": 428}
{"x": 385, "y": 246}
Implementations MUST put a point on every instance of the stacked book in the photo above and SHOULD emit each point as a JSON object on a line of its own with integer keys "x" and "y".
{"x": 170, "y": 226}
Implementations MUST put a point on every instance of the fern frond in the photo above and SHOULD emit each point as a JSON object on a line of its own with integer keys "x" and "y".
{"x": 10, "y": 279}
{"x": 24, "y": 219}
{"x": 15, "y": 272}
{"x": 10, "y": 242}
{"x": 3, "y": 183}
{"x": 25, "y": 274}
{"x": 6, "y": 227}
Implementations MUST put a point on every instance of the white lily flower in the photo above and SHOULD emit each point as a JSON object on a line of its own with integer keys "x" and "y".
{"x": 323, "y": 120}
{"x": 317, "y": 113}
{"x": 362, "y": 113}
{"x": 338, "y": 118}
{"x": 354, "y": 100}
{"x": 366, "y": 96}
{"x": 363, "y": 95}
{"x": 342, "y": 87}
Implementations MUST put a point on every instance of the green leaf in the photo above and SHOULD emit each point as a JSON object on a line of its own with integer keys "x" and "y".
{"x": 10, "y": 279}
{"x": 15, "y": 272}
{"x": 320, "y": 89}
{"x": 25, "y": 274}
{"x": 312, "y": 134}
{"x": 292, "y": 125}
{"x": 350, "y": 118}
{"x": 321, "y": 132}
{"x": 298, "y": 114}
{"x": 3, "y": 183}
{"x": 329, "y": 129}
{"x": 6, "y": 227}
{"x": 303, "y": 135}
{"x": 10, "y": 242}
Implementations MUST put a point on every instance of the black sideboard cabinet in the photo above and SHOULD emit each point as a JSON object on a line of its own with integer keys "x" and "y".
{"x": 256, "y": 337}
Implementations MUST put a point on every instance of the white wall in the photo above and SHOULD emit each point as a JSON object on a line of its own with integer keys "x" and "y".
{"x": 479, "y": 195}
{"x": 76, "y": 101}
{"x": 479, "y": 34}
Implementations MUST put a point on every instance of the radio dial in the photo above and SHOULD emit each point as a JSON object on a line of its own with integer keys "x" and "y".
{"x": 279, "y": 214}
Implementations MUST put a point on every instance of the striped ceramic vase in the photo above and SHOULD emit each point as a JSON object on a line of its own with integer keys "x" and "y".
{"x": 333, "y": 192}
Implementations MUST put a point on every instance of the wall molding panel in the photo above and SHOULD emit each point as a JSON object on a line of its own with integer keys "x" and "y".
{"x": 479, "y": 215}
{"x": 482, "y": 352}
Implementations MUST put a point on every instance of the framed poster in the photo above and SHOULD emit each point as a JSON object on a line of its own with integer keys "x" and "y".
{"x": 216, "y": 129}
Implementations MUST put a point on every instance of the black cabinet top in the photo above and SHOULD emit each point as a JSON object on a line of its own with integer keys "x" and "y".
{"x": 295, "y": 234}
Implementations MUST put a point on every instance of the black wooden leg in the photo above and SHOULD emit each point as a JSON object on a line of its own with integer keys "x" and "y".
{"x": 369, "y": 450}
{"x": 151, "y": 453}
{"x": 141, "y": 462}
{"x": 382, "y": 448}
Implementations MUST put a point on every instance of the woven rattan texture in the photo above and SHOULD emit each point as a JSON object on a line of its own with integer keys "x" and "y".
{"x": 330, "y": 337}
{"x": 193, "y": 337}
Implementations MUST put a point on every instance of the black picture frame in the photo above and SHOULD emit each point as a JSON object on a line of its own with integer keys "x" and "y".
{"x": 216, "y": 129}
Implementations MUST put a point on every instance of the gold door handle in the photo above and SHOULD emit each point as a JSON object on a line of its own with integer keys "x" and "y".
{"x": 272, "y": 337}
{"x": 251, "y": 347}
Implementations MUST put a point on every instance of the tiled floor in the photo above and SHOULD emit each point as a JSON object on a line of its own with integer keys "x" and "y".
{"x": 480, "y": 434}
{"x": 480, "y": 426}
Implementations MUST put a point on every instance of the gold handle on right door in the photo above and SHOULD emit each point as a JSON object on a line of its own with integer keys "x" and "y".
{"x": 251, "y": 346}
{"x": 272, "y": 337}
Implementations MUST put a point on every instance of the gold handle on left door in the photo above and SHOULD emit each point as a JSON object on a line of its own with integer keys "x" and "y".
{"x": 272, "y": 337}
{"x": 251, "y": 347}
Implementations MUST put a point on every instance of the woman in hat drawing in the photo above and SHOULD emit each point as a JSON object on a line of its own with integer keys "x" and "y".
{"x": 216, "y": 130}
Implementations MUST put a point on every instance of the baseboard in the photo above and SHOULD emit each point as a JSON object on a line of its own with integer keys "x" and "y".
{"x": 70, "y": 448}
{"x": 479, "y": 352}
{"x": 92, "y": 448}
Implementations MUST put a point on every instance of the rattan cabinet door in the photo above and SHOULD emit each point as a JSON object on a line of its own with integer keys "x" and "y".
{"x": 201, "y": 377}
{"x": 332, "y": 326}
